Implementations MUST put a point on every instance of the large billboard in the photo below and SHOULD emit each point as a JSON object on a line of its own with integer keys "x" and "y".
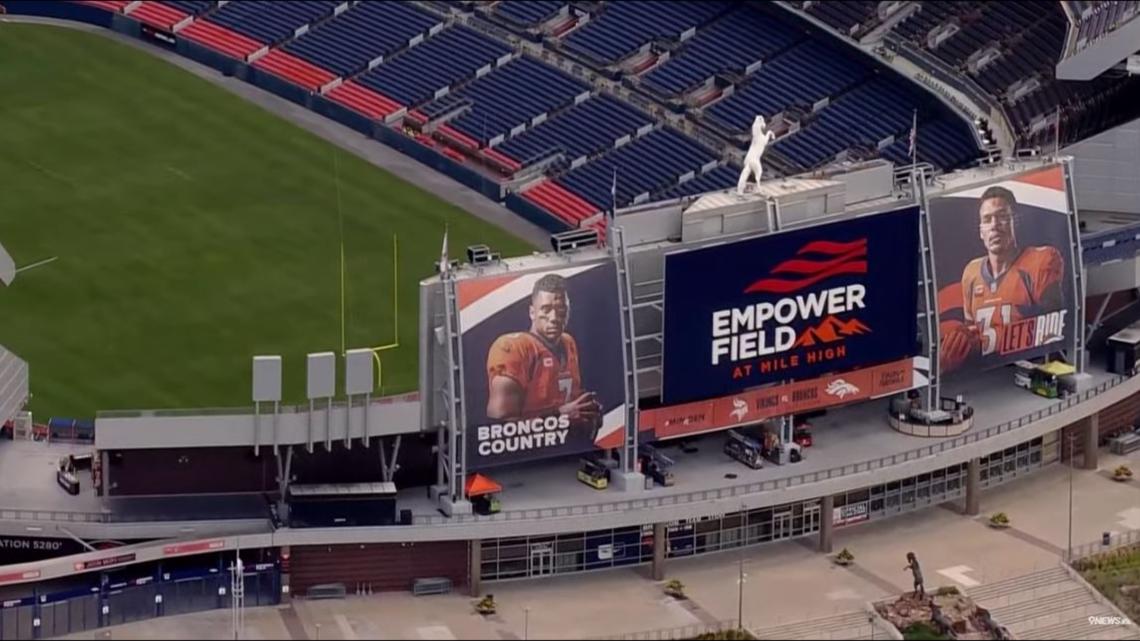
{"x": 772, "y": 401}
{"x": 1004, "y": 262}
{"x": 792, "y": 305}
{"x": 542, "y": 360}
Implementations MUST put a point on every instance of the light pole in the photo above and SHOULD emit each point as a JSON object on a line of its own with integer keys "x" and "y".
{"x": 526, "y": 623}
{"x": 1069, "y": 550}
{"x": 740, "y": 568}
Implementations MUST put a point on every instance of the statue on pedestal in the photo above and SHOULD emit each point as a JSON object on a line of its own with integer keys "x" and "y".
{"x": 912, "y": 565}
{"x": 752, "y": 167}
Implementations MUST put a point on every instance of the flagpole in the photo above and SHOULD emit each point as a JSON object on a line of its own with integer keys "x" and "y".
{"x": 1057, "y": 134}
{"x": 611, "y": 215}
{"x": 914, "y": 140}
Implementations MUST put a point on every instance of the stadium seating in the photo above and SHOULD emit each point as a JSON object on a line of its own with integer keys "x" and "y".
{"x": 270, "y": 21}
{"x": 651, "y": 163}
{"x": 733, "y": 42}
{"x": 805, "y": 74}
{"x": 584, "y": 130}
{"x": 722, "y": 177}
{"x": 116, "y": 6}
{"x": 942, "y": 143}
{"x": 159, "y": 14}
{"x": 528, "y": 14}
{"x": 850, "y": 17}
{"x": 189, "y": 7}
{"x": 437, "y": 63}
{"x": 512, "y": 95}
{"x": 484, "y": 97}
{"x": 369, "y": 30}
{"x": 624, "y": 27}
{"x": 217, "y": 37}
{"x": 866, "y": 115}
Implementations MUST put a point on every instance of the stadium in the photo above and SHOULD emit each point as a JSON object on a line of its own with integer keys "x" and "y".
{"x": 343, "y": 302}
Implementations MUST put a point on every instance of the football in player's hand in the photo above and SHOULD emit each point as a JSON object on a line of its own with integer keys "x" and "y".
{"x": 960, "y": 342}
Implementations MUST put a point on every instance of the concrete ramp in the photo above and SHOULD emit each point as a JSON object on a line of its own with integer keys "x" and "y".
{"x": 7, "y": 267}
{"x": 13, "y": 384}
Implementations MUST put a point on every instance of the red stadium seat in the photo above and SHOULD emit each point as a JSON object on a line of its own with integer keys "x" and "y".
{"x": 115, "y": 6}
{"x": 373, "y": 104}
{"x": 156, "y": 14}
{"x": 294, "y": 69}
{"x": 217, "y": 37}
{"x": 560, "y": 202}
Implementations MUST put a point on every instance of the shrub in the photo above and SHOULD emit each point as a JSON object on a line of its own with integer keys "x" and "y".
{"x": 844, "y": 556}
{"x": 999, "y": 518}
{"x": 1122, "y": 471}
{"x": 947, "y": 590}
{"x": 922, "y": 631}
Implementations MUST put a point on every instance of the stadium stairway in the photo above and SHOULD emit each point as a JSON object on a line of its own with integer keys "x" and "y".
{"x": 219, "y": 38}
{"x": 563, "y": 203}
{"x": 296, "y": 70}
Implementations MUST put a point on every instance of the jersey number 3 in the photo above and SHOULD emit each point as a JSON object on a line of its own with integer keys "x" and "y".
{"x": 985, "y": 318}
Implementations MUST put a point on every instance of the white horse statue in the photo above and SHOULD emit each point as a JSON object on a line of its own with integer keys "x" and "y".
{"x": 752, "y": 168}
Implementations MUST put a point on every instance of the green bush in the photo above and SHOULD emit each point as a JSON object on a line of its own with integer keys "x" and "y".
{"x": 999, "y": 518}
{"x": 921, "y": 631}
{"x": 947, "y": 590}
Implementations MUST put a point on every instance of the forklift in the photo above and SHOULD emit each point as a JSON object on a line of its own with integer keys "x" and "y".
{"x": 744, "y": 449}
{"x": 593, "y": 473}
{"x": 655, "y": 465}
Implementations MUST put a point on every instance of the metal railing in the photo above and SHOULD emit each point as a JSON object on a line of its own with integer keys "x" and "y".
{"x": 248, "y": 410}
{"x": 1115, "y": 542}
{"x": 782, "y": 483}
{"x": 679, "y": 632}
{"x": 678, "y": 499}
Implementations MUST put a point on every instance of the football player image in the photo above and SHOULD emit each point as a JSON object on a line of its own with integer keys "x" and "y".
{"x": 1010, "y": 283}
{"x": 536, "y": 372}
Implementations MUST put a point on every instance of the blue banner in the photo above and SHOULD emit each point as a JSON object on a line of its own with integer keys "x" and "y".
{"x": 790, "y": 306}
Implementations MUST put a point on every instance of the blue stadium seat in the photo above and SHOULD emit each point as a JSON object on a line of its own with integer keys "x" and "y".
{"x": 651, "y": 163}
{"x": 271, "y": 21}
{"x": 347, "y": 43}
{"x": 529, "y": 13}
{"x": 803, "y": 75}
{"x": 623, "y": 27}
{"x": 867, "y": 114}
{"x": 512, "y": 95}
{"x": 944, "y": 143}
{"x": 733, "y": 42}
{"x": 722, "y": 177}
{"x": 190, "y": 7}
{"x": 415, "y": 75}
{"x": 586, "y": 129}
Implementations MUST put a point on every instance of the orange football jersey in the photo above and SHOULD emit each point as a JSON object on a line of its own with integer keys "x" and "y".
{"x": 550, "y": 377}
{"x": 1016, "y": 294}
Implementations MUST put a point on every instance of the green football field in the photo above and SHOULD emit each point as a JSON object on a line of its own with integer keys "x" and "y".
{"x": 191, "y": 231}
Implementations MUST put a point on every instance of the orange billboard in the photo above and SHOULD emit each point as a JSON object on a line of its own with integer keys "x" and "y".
{"x": 778, "y": 400}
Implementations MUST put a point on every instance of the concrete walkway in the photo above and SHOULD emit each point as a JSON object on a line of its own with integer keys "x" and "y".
{"x": 787, "y": 586}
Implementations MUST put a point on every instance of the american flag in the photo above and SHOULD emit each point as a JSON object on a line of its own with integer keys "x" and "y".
{"x": 444, "y": 265}
{"x": 914, "y": 135}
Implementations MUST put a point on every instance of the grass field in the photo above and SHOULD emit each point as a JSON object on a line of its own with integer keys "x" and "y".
{"x": 193, "y": 230}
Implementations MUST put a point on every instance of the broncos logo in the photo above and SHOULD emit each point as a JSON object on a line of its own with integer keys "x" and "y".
{"x": 739, "y": 409}
{"x": 841, "y": 388}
